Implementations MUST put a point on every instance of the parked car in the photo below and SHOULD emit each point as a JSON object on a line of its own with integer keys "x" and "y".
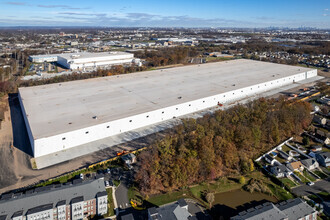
{"x": 108, "y": 171}
{"x": 310, "y": 183}
{"x": 81, "y": 176}
{"x": 107, "y": 183}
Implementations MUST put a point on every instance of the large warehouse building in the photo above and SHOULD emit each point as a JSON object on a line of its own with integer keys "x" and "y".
{"x": 85, "y": 60}
{"x": 65, "y": 115}
{"x": 80, "y": 61}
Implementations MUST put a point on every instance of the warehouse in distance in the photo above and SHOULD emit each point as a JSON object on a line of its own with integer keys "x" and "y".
{"x": 65, "y": 115}
{"x": 86, "y": 60}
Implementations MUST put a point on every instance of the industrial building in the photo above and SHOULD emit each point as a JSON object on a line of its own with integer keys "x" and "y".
{"x": 85, "y": 60}
{"x": 44, "y": 58}
{"x": 65, "y": 115}
{"x": 80, "y": 61}
{"x": 76, "y": 200}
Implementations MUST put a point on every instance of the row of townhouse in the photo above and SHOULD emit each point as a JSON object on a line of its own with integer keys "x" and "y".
{"x": 76, "y": 200}
{"x": 294, "y": 209}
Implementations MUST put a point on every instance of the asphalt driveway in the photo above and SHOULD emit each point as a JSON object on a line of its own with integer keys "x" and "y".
{"x": 319, "y": 186}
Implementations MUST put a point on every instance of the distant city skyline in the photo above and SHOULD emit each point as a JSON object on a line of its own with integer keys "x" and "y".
{"x": 170, "y": 13}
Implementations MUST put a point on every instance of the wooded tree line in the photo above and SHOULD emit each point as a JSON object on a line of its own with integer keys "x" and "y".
{"x": 167, "y": 56}
{"x": 216, "y": 145}
{"x": 312, "y": 48}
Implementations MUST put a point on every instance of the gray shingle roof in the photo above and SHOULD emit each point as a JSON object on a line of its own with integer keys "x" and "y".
{"x": 16, "y": 214}
{"x": 267, "y": 211}
{"x": 181, "y": 213}
{"x": 279, "y": 169}
{"x": 295, "y": 208}
{"x": 169, "y": 212}
{"x": 100, "y": 194}
{"x": 39, "y": 209}
{"x": 308, "y": 162}
{"x": 153, "y": 210}
{"x": 127, "y": 217}
{"x": 182, "y": 203}
{"x": 51, "y": 195}
{"x": 77, "y": 199}
{"x": 61, "y": 203}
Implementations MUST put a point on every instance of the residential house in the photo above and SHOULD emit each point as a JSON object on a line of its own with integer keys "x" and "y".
{"x": 129, "y": 159}
{"x": 127, "y": 217}
{"x": 323, "y": 158}
{"x": 297, "y": 209}
{"x": 295, "y": 166}
{"x": 284, "y": 155}
{"x": 269, "y": 159}
{"x": 173, "y": 211}
{"x": 319, "y": 120}
{"x": 316, "y": 148}
{"x": 310, "y": 163}
{"x": 294, "y": 209}
{"x": 280, "y": 171}
{"x": 322, "y": 136}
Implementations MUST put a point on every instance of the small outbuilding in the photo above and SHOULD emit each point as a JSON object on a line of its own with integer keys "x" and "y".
{"x": 129, "y": 159}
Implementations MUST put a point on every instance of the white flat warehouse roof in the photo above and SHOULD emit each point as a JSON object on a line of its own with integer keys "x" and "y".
{"x": 50, "y": 108}
{"x": 87, "y": 55}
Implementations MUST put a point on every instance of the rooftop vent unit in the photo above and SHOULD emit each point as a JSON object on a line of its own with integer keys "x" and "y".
{"x": 75, "y": 56}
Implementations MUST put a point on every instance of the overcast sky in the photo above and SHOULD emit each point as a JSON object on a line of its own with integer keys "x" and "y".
{"x": 169, "y": 13}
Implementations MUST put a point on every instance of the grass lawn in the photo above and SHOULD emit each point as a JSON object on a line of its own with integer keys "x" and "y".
{"x": 134, "y": 194}
{"x": 287, "y": 182}
{"x": 324, "y": 149}
{"x": 279, "y": 192}
{"x": 303, "y": 179}
{"x": 325, "y": 195}
{"x": 111, "y": 206}
{"x": 162, "y": 199}
{"x": 281, "y": 160}
{"x": 61, "y": 179}
{"x": 320, "y": 174}
{"x": 222, "y": 185}
{"x": 116, "y": 182}
{"x": 286, "y": 149}
{"x": 195, "y": 192}
{"x": 309, "y": 176}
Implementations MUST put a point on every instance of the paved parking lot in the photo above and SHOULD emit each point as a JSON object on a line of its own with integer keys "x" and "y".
{"x": 122, "y": 190}
{"x": 319, "y": 186}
